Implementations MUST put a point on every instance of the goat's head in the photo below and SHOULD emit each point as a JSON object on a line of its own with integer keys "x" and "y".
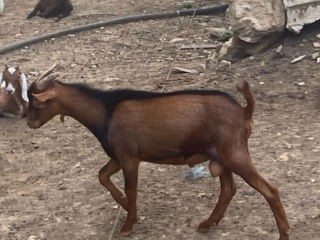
{"x": 43, "y": 103}
{"x": 14, "y": 81}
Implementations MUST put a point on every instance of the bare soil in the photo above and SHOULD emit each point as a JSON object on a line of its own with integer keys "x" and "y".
{"x": 48, "y": 177}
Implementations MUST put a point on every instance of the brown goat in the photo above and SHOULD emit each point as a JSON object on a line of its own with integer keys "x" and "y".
{"x": 184, "y": 127}
{"x": 13, "y": 93}
{"x": 52, "y": 8}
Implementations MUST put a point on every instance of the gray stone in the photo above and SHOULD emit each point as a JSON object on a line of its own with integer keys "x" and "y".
{"x": 252, "y": 20}
{"x": 220, "y": 34}
{"x": 300, "y": 13}
{"x": 224, "y": 66}
{"x": 255, "y": 24}
{"x": 315, "y": 55}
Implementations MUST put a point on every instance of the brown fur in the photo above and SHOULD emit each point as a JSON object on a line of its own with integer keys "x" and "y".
{"x": 181, "y": 128}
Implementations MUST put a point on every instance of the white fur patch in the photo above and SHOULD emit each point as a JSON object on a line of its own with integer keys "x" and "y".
{"x": 12, "y": 70}
{"x": 10, "y": 88}
{"x": 24, "y": 87}
{"x": 1, "y": 6}
{"x": 2, "y": 84}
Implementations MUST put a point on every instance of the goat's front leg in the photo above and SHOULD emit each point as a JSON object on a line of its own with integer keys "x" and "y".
{"x": 130, "y": 172}
{"x": 105, "y": 173}
{"x": 35, "y": 11}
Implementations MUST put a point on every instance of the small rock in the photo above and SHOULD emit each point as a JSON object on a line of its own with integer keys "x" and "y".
{"x": 284, "y": 157}
{"x": 315, "y": 55}
{"x": 176, "y": 40}
{"x": 300, "y": 84}
{"x": 224, "y": 65}
{"x": 313, "y": 180}
{"x": 279, "y": 51}
{"x": 200, "y": 195}
{"x": 318, "y": 36}
{"x": 183, "y": 70}
{"x": 318, "y": 60}
{"x": 115, "y": 207}
{"x": 32, "y": 238}
{"x": 316, "y": 44}
{"x": 221, "y": 34}
{"x": 290, "y": 173}
{"x": 298, "y": 59}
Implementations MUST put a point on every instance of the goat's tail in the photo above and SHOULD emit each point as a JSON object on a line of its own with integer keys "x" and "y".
{"x": 244, "y": 88}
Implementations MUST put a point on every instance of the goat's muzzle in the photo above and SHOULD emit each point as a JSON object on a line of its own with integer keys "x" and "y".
{"x": 34, "y": 124}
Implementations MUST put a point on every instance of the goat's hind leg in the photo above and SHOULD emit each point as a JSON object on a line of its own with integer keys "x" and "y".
{"x": 105, "y": 173}
{"x": 227, "y": 191}
{"x": 241, "y": 164}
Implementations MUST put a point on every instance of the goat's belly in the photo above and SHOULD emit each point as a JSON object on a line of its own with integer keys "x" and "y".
{"x": 178, "y": 160}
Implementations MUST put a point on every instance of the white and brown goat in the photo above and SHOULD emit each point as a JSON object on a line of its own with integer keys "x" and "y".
{"x": 178, "y": 128}
{"x": 13, "y": 93}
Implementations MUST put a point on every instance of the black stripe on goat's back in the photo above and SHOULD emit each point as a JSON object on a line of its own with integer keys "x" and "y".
{"x": 112, "y": 97}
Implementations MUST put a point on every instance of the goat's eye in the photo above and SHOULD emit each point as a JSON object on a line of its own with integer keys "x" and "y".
{"x": 38, "y": 104}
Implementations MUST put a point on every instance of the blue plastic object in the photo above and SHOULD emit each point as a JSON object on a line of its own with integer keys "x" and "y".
{"x": 196, "y": 172}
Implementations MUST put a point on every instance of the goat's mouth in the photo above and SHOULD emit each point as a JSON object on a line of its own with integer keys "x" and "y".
{"x": 34, "y": 124}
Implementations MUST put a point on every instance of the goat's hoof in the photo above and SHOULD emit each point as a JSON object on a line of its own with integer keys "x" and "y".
{"x": 125, "y": 233}
{"x": 204, "y": 227}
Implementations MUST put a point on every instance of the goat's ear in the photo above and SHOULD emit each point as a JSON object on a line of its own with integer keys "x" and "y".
{"x": 24, "y": 87}
{"x": 1, "y": 77}
{"x": 44, "y": 96}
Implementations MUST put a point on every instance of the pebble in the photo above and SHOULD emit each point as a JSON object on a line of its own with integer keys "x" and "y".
{"x": 298, "y": 59}
{"x": 300, "y": 84}
{"x": 224, "y": 65}
{"x": 32, "y": 238}
{"x": 315, "y": 55}
{"x": 290, "y": 173}
{"x": 316, "y": 44}
{"x": 284, "y": 157}
{"x": 176, "y": 40}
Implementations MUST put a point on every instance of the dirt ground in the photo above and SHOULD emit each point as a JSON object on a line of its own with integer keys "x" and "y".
{"x": 48, "y": 177}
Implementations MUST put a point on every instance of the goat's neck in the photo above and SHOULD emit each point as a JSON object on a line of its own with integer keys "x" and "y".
{"x": 85, "y": 109}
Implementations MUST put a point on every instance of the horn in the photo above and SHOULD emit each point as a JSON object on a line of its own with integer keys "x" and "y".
{"x": 47, "y": 73}
{"x": 24, "y": 87}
